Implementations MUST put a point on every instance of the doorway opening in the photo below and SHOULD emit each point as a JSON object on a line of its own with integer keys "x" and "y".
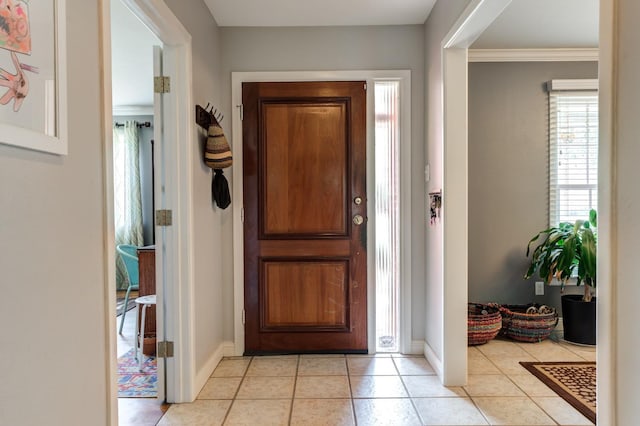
{"x": 172, "y": 192}
{"x": 132, "y": 61}
{"x": 387, "y": 211}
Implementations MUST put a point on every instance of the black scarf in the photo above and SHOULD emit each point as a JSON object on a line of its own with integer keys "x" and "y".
{"x": 220, "y": 190}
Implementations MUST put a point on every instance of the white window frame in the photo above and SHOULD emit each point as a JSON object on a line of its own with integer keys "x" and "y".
{"x": 557, "y": 88}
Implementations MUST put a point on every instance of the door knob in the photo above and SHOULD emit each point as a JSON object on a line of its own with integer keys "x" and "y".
{"x": 358, "y": 219}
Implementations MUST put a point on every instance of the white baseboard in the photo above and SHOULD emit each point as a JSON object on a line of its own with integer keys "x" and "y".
{"x": 417, "y": 347}
{"x": 205, "y": 372}
{"x": 433, "y": 359}
{"x": 228, "y": 349}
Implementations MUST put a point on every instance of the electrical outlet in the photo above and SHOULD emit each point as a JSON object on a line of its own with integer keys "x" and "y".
{"x": 539, "y": 288}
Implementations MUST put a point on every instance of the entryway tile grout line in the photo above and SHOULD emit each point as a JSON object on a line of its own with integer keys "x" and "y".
{"x": 295, "y": 384}
{"x": 406, "y": 389}
{"x": 235, "y": 395}
{"x": 353, "y": 405}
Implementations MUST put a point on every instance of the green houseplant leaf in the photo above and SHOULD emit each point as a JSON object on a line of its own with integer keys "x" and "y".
{"x": 566, "y": 251}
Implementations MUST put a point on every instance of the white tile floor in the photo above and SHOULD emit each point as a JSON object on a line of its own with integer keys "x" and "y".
{"x": 382, "y": 390}
{"x": 135, "y": 411}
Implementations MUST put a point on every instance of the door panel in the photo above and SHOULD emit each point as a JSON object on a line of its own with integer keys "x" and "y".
{"x": 304, "y": 294}
{"x": 305, "y": 258}
{"x": 297, "y": 172}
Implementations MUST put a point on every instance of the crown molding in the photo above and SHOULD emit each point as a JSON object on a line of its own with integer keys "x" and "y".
{"x": 123, "y": 110}
{"x": 533, "y": 55}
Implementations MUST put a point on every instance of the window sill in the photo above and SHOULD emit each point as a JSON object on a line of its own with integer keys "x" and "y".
{"x": 570, "y": 282}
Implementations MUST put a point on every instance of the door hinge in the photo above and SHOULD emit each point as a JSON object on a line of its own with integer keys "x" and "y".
{"x": 241, "y": 109}
{"x": 163, "y": 217}
{"x": 165, "y": 350}
{"x": 244, "y": 317}
{"x": 365, "y": 87}
{"x": 161, "y": 84}
{"x": 242, "y": 215}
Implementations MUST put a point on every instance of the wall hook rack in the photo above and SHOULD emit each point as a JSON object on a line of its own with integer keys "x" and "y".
{"x": 435, "y": 205}
{"x": 207, "y": 116}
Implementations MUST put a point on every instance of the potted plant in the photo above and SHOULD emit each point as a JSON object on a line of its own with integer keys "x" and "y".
{"x": 568, "y": 251}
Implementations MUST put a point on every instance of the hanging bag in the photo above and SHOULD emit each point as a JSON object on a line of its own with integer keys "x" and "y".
{"x": 217, "y": 153}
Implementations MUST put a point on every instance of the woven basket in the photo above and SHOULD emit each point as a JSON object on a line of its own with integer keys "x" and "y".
{"x": 484, "y": 323}
{"x": 527, "y": 327}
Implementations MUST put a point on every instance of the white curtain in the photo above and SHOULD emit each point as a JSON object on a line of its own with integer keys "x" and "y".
{"x": 126, "y": 188}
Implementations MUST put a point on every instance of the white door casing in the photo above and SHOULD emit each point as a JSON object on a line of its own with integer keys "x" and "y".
{"x": 478, "y": 15}
{"x": 173, "y": 191}
{"x": 404, "y": 76}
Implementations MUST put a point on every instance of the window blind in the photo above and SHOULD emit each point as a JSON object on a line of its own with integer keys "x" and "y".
{"x": 573, "y": 155}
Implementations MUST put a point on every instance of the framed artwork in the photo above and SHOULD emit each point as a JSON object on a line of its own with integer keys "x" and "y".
{"x": 33, "y": 78}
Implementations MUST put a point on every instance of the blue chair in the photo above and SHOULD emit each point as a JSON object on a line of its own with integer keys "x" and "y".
{"x": 129, "y": 255}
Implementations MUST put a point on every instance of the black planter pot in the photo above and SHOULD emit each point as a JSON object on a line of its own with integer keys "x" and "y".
{"x": 579, "y": 319}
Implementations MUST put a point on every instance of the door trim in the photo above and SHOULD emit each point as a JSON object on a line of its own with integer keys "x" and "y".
{"x": 174, "y": 263}
{"x": 404, "y": 76}
{"x": 478, "y": 15}
{"x": 175, "y": 305}
{"x": 606, "y": 320}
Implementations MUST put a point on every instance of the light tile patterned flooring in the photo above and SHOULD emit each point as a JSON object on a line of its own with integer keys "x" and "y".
{"x": 382, "y": 390}
{"x": 135, "y": 411}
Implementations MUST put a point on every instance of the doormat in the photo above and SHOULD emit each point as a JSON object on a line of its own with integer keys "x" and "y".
{"x": 133, "y": 383}
{"x": 575, "y": 382}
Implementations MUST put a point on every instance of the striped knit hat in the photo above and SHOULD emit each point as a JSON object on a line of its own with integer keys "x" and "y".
{"x": 217, "y": 153}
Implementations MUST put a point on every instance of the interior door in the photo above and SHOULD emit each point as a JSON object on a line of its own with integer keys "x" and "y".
{"x": 305, "y": 216}
{"x": 160, "y": 237}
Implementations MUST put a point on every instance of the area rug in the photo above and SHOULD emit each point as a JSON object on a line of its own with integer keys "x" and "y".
{"x": 575, "y": 382}
{"x": 133, "y": 383}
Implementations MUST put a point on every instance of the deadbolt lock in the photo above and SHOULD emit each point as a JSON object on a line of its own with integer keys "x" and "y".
{"x": 357, "y": 201}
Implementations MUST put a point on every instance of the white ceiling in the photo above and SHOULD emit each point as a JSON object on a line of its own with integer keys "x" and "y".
{"x": 300, "y": 13}
{"x": 524, "y": 24}
{"x": 543, "y": 24}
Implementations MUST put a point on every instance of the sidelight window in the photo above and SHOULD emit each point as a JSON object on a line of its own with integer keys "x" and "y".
{"x": 387, "y": 212}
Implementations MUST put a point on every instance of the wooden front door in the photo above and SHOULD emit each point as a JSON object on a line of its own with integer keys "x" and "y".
{"x": 305, "y": 217}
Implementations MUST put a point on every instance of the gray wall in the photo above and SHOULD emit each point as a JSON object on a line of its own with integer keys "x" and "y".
{"x": 345, "y": 48}
{"x": 508, "y": 174}
{"x": 442, "y": 17}
{"x": 210, "y": 241}
{"x": 52, "y": 257}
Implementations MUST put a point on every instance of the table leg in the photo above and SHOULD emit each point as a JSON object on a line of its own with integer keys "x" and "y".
{"x": 135, "y": 354}
{"x": 144, "y": 312}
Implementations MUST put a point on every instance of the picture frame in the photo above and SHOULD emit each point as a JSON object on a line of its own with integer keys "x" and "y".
{"x": 33, "y": 75}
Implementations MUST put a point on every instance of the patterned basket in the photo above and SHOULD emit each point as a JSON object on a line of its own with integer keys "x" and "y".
{"x": 484, "y": 323}
{"x": 528, "y": 323}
